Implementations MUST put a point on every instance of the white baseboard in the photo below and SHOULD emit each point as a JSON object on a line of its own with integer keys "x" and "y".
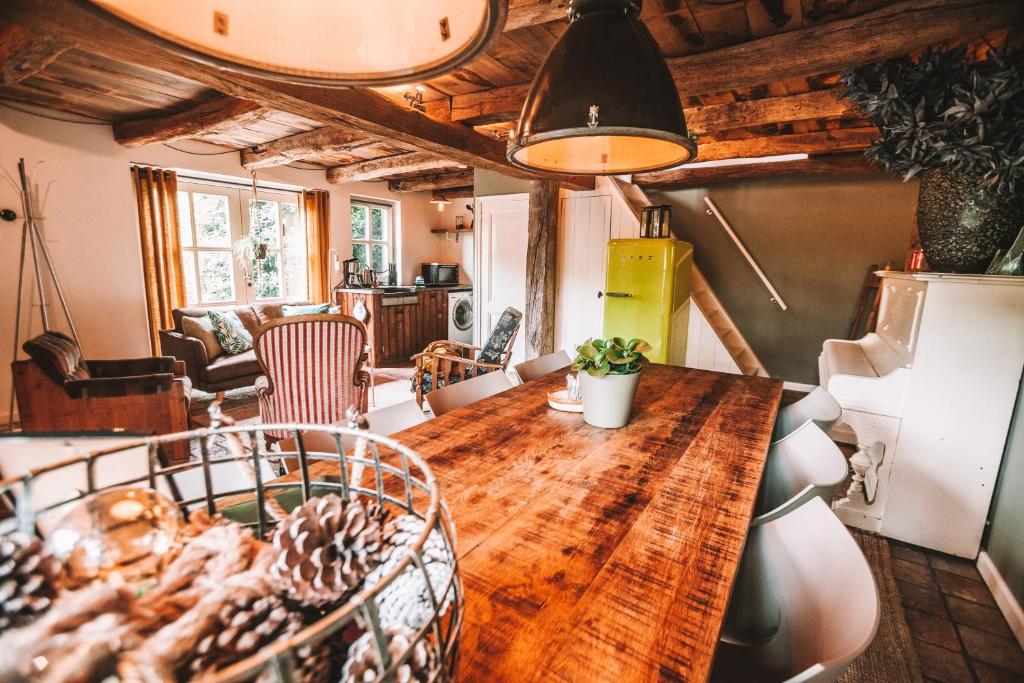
{"x": 797, "y": 386}
{"x": 1006, "y": 601}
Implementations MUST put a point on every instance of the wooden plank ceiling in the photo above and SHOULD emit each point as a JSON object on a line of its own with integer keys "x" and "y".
{"x": 757, "y": 78}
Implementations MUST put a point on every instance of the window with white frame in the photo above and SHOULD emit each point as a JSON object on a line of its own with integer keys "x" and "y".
{"x": 236, "y": 250}
{"x": 372, "y": 231}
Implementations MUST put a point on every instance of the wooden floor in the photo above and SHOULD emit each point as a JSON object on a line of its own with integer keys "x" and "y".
{"x": 959, "y": 635}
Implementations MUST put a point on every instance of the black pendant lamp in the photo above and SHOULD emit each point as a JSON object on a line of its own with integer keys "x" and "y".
{"x": 604, "y": 101}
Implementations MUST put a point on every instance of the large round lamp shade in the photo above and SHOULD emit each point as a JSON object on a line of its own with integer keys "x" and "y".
{"x": 604, "y": 101}
{"x": 323, "y": 42}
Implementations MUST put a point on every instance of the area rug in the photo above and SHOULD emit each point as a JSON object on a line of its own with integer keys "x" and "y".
{"x": 891, "y": 657}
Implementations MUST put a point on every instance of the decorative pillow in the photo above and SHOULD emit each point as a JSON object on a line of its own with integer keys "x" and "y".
{"x": 58, "y": 356}
{"x": 230, "y": 332}
{"x": 308, "y": 309}
{"x": 202, "y": 329}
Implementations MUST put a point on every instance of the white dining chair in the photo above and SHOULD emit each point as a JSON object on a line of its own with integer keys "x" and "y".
{"x": 830, "y": 607}
{"x": 819, "y": 407}
{"x": 383, "y": 421}
{"x": 447, "y": 399}
{"x": 538, "y": 367}
{"x": 806, "y": 465}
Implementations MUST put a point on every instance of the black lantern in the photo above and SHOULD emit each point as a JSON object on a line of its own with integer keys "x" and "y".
{"x": 604, "y": 101}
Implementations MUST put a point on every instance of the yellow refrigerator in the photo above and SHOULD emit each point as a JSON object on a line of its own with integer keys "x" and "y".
{"x": 647, "y": 294}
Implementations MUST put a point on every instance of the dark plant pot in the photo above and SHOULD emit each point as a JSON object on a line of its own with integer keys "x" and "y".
{"x": 962, "y": 225}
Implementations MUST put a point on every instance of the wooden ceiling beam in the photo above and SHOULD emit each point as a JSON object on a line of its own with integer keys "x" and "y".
{"x": 24, "y": 53}
{"x": 523, "y": 13}
{"x": 385, "y": 166}
{"x": 301, "y": 146}
{"x": 209, "y": 117}
{"x": 891, "y": 31}
{"x": 454, "y": 193}
{"x": 434, "y": 181}
{"x": 819, "y": 142}
{"x": 828, "y": 164}
{"x": 357, "y": 108}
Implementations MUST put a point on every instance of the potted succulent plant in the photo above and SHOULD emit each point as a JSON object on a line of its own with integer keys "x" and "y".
{"x": 609, "y": 374}
{"x": 955, "y": 122}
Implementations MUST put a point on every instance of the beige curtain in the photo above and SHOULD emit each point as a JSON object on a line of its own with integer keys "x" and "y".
{"x": 317, "y": 207}
{"x": 156, "y": 193}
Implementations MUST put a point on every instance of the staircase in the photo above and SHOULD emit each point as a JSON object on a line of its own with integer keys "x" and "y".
{"x": 701, "y": 294}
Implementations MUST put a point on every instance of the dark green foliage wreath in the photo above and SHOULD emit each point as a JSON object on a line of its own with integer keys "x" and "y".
{"x": 947, "y": 111}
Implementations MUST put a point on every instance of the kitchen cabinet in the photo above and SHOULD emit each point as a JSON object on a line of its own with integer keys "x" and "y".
{"x": 398, "y": 324}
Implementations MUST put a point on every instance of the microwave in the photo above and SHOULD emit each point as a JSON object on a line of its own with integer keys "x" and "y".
{"x": 440, "y": 274}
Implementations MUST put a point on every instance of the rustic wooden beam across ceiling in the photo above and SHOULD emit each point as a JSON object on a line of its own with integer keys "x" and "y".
{"x": 523, "y": 13}
{"x": 454, "y": 193}
{"x": 829, "y": 164}
{"x": 306, "y": 145}
{"x": 23, "y": 53}
{"x": 434, "y": 181}
{"x": 357, "y": 108}
{"x": 819, "y": 142}
{"x": 384, "y": 166}
{"x": 208, "y": 117}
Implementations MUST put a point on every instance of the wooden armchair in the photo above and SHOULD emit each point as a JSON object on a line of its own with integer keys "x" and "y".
{"x": 447, "y": 362}
{"x": 59, "y": 391}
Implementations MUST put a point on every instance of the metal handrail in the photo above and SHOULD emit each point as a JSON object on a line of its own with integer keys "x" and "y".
{"x": 713, "y": 211}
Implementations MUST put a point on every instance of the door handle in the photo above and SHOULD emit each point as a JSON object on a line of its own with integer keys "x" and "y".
{"x": 620, "y": 295}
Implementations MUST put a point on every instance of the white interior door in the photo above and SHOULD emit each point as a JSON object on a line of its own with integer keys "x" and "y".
{"x": 502, "y": 234}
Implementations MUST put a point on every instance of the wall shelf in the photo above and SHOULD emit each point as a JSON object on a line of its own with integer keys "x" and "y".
{"x": 447, "y": 232}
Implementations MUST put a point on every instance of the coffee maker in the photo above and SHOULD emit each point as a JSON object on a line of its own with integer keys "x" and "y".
{"x": 350, "y": 268}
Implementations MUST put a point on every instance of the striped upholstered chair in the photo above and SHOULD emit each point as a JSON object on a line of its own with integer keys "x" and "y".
{"x": 312, "y": 369}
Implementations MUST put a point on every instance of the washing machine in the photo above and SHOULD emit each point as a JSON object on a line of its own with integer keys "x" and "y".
{"x": 460, "y": 316}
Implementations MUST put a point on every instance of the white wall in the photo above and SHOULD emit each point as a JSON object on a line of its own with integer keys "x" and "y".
{"x": 91, "y": 228}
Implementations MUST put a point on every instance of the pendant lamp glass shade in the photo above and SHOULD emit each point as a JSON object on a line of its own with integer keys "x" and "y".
{"x": 604, "y": 101}
{"x": 321, "y": 42}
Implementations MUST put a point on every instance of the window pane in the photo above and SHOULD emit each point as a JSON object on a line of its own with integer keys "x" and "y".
{"x": 359, "y": 252}
{"x": 185, "y": 219}
{"x": 378, "y": 257}
{"x": 358, "y": 222}
{"x": 216, "y": 277}
{"x": 295, "y": 275}
{"x": 191, "y": 287}
{"x": 377, "y": 224}
{"x": 263, "y": 222}
{"x": 213, "y": 225}
{"x": 268, "y": 277}
{"x": 290, "y": 223}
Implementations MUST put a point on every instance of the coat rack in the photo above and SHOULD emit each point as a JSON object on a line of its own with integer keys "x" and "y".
{"x": 32, "y": 239}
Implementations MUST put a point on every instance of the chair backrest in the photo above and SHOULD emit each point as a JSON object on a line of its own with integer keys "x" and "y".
{"x": 829, "y": 600}
{"x": 804, "y": 465}
{"x": 447, "y": 399}
{"x": 313, "y": 364}
{"x": 498, "y": 348}
{"x": 383, "y": 421}
{"x": 538, "y": 367}
{"x": 819, "y": 407}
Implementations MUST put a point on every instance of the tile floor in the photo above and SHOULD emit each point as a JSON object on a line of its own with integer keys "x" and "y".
{"x": 959, "y": 634}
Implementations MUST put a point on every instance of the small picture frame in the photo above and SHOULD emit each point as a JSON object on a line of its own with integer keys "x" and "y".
{"x": 460, "y": 222}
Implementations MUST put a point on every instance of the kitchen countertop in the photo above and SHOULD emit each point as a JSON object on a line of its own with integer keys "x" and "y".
{"x": 414, "y": 289}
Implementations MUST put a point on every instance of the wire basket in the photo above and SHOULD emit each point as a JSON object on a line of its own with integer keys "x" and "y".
{"x": 396, "y": 478}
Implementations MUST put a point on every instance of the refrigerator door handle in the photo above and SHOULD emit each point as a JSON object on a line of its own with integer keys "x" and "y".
{"x": 619, "y": 294}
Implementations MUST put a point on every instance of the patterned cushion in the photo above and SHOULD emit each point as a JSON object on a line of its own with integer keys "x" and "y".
{"x": 230, "y": 332}
{"x": 58, "y": 356}
{"x": 311, "y": 309}
{"x": 498, "y": 342}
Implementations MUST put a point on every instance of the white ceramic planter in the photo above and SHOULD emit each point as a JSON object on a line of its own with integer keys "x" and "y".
{"x": 608, "y": 400}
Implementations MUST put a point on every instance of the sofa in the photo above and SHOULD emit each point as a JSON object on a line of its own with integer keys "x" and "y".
{"x": 225, "y": 371}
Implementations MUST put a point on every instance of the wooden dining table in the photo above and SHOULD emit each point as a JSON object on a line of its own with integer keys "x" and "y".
{"x": 592, "y": 554}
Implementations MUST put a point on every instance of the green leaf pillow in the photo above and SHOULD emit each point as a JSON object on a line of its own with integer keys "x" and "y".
{"x": 230, "y": 332}
{"x": 307, "y": 309}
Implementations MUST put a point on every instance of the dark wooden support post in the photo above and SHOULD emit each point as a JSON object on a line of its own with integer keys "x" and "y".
{"x": 541, "y": 250}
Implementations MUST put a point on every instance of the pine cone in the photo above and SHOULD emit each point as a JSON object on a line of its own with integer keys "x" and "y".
{"x": 326, "y": 548}
{"x": 364, "y": 664}
{"x": 28, "y": 579}
{"x": 249, "y": 618}
{"x": 405, "y": 601}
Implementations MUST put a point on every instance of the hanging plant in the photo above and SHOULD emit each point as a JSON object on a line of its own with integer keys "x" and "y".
{"x": 947, "y": 111}
{"x": 248, "y": 250}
